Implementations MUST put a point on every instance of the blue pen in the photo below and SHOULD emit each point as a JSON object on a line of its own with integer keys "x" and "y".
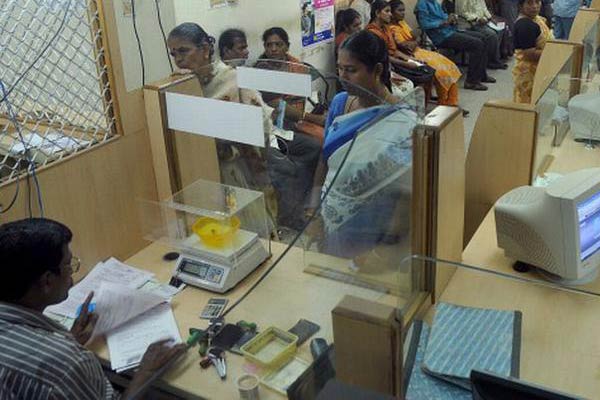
{"x": 91, "y": 308}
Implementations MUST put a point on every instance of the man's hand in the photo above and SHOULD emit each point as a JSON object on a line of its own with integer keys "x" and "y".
{"x": 158, "y": 354}
{"x": 452, "y": 19}
{"x": 482, "y": 21}
{"x": 85, "y": 323}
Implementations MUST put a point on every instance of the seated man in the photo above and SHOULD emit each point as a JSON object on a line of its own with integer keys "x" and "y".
{"x": 39, "y": 358}
{"x": 475, "y": 16}
{"x": 233, "y": 47}
{"x": 441, "y": 29}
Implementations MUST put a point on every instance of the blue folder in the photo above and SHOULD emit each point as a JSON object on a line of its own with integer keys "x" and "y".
{"x": 466, "y": 338}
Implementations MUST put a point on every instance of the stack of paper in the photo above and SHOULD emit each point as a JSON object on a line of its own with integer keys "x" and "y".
{"x": 132, "y": 321}
{"x": 109, "y": 271}
{"x": 133, "y": 310}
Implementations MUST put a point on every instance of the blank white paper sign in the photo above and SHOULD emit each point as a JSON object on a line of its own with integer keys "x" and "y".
{"x": 219, "y": 119}
{"x": 274, "y": 81}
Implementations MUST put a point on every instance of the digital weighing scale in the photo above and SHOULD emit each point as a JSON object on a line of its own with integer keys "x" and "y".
{"x": 219, "y": 269}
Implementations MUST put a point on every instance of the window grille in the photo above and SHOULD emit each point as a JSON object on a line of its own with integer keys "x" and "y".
{"x": 63, "y": 105}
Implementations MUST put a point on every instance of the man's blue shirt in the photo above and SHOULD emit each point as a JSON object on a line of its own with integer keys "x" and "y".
{"x": 431, "y": 16}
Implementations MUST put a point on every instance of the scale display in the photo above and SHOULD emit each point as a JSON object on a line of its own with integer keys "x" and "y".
{"x": 202, "y": 270}
{"x": 219, "y": 271}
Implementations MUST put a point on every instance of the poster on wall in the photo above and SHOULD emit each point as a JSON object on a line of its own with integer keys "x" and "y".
{"x": 316, "y": 21}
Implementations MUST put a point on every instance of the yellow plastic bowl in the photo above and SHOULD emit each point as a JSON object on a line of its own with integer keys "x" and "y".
{"x": 216, "y": 233}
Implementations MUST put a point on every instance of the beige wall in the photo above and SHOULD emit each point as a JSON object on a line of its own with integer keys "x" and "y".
{"x": 155, "y": 54}
{"x": 254, "y": 17}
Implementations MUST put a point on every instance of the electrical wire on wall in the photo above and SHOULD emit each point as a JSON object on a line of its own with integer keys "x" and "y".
{"x": 30, "y": 163}
{"x": 139, "y": 43}
{"x": 36, "y": 59}
{"x": 164, "y": 36}
{"x": 13, "y": 118}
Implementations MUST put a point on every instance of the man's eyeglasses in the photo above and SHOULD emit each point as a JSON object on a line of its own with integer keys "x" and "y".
{"x": 74, "y": 264}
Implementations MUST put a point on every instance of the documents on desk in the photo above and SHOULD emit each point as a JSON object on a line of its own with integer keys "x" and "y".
{"x": 131, "y": 321}
{"x": 111, "y": 270}
{"x": 128, "y": 343}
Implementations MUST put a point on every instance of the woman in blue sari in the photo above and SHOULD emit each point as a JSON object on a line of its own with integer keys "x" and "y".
{"x": 367, "y": 153}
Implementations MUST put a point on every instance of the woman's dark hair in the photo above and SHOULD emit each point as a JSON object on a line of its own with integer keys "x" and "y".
{"x": 276, "y": 31}
{"x": 377, "y": 6}
{"x": 227, "y": 39}
{"x": 521, "y": 2}
{"x": 194, "y": 33}
{"x": 29, "y": 248}
{"x": 395, "y": 4}
{"x": 344, "y": 19}
{"x": 370, "y": 50}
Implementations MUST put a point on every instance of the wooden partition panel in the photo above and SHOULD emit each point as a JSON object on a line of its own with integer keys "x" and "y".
{"x": 179, "y": 158}
{"x": 440, "y": 177}
{"x": 595, "y": 4}
{"x": 554, "y": 57}
{"x": 584, "y": 19}
{"x": 500, "y": 157}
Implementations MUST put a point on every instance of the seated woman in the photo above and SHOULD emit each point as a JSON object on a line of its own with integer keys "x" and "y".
{"x": 447, "y": 73}
{"x": 419, "y": 73}
{"x": 364, "y": 199}
{"x": 192, "y": 48}
{"x": 347, "y": 22}
{"x": 294, "y": 174}
{"x": 276, "y": 43}
{"x": 531, "y": 35}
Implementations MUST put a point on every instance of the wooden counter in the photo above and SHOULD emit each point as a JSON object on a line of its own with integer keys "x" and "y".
{"x": 560, "y": 347}
{"x": 284, "y": 297}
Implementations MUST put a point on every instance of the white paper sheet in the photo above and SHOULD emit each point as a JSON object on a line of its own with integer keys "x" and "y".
{"x": 117, "y": 304}
{"x": 162, "y": 289}
{"x": 109, "y": 271}
{"x": 128, "y": 343}
{"x": 267, "y": 80}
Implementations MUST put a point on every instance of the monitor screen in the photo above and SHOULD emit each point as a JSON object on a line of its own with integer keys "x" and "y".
{"x": 588, "y": 212}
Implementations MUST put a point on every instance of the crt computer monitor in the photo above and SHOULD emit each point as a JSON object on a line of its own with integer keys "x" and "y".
{"x": 556, "y": 228}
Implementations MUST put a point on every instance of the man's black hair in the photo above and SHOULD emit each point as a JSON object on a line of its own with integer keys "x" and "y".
{"x": 227, "y": 39}
{"x": 29, "y": 248}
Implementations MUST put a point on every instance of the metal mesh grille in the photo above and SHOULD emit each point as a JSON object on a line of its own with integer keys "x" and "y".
{"x": 63, "y": 105}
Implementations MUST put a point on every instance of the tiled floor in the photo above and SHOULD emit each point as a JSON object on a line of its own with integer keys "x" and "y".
{"x": 473, "y": 100}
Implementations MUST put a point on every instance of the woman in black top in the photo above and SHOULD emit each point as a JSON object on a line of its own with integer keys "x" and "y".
{"x": 531, "y": 35}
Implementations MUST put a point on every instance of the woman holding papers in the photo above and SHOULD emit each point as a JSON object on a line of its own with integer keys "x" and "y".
{"x": 39, "y": 358}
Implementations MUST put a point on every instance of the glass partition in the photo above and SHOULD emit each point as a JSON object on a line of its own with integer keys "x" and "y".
{"x": 591, "y": 52}
{"x": 502, "y": 324}
{"x": 335, "y": 172}
{"x": 568, "y": 126}
{"x": 335, "y": 169}
{"x": 552, "y": 115}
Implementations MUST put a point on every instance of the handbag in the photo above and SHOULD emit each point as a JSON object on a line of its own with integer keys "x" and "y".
{"x": 421, "y": 74}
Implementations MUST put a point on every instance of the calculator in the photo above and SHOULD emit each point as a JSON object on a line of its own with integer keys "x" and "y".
{"x": 213, "y": 308}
